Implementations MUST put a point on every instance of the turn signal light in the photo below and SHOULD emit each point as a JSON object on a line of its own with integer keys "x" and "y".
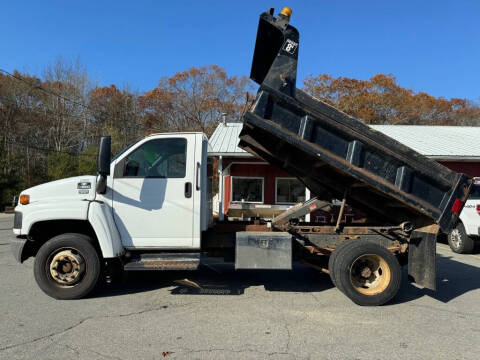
{"x": 24, "y": 199}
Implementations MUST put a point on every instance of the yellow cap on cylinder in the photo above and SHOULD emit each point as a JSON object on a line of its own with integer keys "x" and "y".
{"x": 286, "y": 11}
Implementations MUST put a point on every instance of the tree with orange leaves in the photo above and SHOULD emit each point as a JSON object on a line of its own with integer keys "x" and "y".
{"x": 117, "y": 113}
{"x": 380, "y": 100}
{"x": 194, "y": 100}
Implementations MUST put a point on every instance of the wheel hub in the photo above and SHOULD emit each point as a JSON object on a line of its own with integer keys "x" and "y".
{"x": 67, "y": 267}
{"x": 455, "y": 238}
{"x": 366, "y": 272}
{"x": 370, "y": 274}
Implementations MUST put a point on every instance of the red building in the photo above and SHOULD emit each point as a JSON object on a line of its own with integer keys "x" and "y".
{"x": 251, "y": 187}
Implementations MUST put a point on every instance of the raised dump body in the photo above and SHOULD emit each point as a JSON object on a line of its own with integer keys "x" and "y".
{"x": 334, "y": 154}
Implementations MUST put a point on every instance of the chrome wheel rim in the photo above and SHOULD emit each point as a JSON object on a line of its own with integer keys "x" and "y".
{"x": 455, "y": 238}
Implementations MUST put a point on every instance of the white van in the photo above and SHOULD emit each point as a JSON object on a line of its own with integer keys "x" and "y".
{"x": 463, "y": 237}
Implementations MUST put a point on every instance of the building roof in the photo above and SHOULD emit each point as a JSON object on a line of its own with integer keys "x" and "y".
{"x": 224, "y": 141}
{"x": 438, "y": 142}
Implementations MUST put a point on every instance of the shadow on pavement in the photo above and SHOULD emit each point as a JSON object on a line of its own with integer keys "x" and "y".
{"x": 218, "y": 280}
{"x": 453, "y": 280}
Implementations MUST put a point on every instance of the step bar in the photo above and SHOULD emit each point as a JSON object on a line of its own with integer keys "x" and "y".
{"x": 163, "y": 261}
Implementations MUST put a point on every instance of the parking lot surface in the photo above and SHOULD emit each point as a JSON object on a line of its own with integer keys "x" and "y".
{"x": 238, "y": 315}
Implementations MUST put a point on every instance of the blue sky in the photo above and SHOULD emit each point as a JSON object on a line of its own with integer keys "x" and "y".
{"x": 431, "y": 46}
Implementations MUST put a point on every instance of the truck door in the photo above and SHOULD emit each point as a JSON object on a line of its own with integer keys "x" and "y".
{"x": 153, "y": 184}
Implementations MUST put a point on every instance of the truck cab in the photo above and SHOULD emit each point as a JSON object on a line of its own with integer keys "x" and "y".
{"x": 151, "y": 196}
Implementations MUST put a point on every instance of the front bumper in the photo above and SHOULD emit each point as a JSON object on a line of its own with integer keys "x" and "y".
{"x": 17, "y": 244}
{"x": 17, "y": 222}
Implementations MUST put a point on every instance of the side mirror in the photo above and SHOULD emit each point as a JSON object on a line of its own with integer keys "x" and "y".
{"x": 104, "y": 155}
{"x": 103, "y": 165}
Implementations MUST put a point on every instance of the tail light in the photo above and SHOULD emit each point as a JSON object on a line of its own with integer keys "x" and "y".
{"x": 478, "y": 209}
{"x": 458, "y": 206}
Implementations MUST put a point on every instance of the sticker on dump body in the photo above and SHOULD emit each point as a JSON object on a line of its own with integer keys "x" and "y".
{"x": 290, "y": 46}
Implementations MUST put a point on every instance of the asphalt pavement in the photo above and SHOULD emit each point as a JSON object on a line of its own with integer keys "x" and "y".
{"x": 238, "y": 315}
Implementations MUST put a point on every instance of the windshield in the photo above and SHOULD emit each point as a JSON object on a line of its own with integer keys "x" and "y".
{"x": 475, "y": 193}
{"x": 123, "y": 150}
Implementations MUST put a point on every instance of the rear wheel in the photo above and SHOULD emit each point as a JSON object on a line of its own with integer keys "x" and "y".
{"x": 333, "y": 258}
{"x": 367, "y": 273}
{"x": 459, "y": 241}
{"x": 67, "y": 266}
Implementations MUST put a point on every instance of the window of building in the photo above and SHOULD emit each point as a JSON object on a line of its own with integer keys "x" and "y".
{"x": 247, "y": 189}
{"x": 158, "y": 158}
{"x": 289, "y": 191}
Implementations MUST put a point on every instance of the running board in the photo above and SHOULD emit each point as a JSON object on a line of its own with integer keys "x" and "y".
{"x": 163, "y": 261}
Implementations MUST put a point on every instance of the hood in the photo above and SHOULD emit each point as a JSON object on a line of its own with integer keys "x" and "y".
{"x": 74, "y": 188}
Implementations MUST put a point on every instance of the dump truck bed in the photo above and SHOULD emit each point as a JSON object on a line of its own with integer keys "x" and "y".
{"x": 334, "y": 154}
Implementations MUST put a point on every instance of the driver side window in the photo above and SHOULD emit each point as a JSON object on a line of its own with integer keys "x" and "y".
{"x": 158, "y": 158}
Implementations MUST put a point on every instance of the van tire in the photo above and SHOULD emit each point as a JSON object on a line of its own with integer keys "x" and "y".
{"x": 67, "y": 266}
{"x": 367, "y": 273}
{"x": 459, "y": 241}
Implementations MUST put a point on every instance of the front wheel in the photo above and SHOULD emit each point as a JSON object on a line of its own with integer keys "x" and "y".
{"x": 67, "y": 266}
{"x": 369, "y": 274}
{"x": 459, "y": 241}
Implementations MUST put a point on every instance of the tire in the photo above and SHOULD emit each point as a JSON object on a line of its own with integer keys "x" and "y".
{"x": 67, "y": 266}
{"x": 367, "y": 273}
{"x": 459, "y": 241}
{"x": 333, "y": 258}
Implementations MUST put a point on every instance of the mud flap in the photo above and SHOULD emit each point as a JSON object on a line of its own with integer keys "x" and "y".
{"x": 422, "y": 256}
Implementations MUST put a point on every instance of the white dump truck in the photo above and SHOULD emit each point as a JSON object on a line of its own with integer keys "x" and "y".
{"x": 148, "y": 207}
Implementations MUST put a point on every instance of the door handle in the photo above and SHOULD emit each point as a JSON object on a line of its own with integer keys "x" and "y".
{"x": 197, "y": 180}
{"x": 188, "y": 189}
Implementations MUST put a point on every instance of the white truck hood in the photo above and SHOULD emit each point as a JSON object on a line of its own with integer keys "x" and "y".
{"x": 74, "y": 188}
